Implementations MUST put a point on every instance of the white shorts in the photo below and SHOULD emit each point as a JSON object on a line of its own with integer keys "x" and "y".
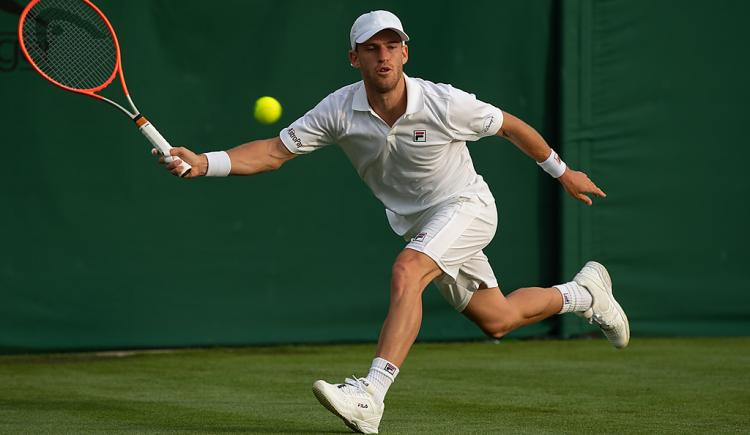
{"x": 453, "y": 235}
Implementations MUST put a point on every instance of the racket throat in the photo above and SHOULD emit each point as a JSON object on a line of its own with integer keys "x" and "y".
{"x": 139, "y": 120}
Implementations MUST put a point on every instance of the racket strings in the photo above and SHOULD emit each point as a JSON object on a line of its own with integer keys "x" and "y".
{"x": 70, "y": 43}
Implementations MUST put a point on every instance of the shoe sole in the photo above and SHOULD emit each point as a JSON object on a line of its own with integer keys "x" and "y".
{"x": 320, "y": 395}
{"x": 604, "y": 275}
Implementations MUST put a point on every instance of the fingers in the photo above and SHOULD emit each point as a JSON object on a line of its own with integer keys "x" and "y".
{"x": 181, "y": 152}
{"x": 595, "y": 190}
{"x": 579, "y": 185}
{"x": 172, "y": 163}
{"x": 584, "y": 199}
{"x": 159, "y": 155}
{"x": 175, "y": 167}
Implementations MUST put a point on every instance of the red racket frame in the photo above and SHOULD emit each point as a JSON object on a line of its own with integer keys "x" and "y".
{"x": 92, "y": 92}
{"x": 143, "y": 124}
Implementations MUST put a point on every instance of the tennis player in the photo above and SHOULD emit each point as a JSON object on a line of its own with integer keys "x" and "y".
{"x": 407, "y": 138}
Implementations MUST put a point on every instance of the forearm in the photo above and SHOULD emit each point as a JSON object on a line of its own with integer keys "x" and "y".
{"x": 528, "y": 140}
{"x": 258, "y": 156}
{"x": 524, "y": 137}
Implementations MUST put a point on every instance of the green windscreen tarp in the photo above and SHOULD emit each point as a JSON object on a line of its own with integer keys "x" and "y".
{"x": 101, "y": 248}
{"x": 655, "y": 109}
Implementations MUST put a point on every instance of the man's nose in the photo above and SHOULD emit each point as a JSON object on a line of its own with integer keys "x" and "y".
{"x": 383, "y": 53}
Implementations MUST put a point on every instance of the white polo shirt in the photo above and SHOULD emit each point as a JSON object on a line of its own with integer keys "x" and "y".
{"x": 421, "y": 161}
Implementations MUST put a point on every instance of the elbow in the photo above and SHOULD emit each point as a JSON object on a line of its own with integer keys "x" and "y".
{"x": 273, "y": 164}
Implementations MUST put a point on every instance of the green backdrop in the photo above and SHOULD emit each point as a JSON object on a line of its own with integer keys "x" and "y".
{"x": 654, "y": 104}
{"x": 102, "y": 249}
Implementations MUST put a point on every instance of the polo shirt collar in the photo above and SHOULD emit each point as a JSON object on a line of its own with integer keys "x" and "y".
{"x": 414, "y": 97}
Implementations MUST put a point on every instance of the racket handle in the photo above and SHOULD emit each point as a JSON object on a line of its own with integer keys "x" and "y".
{"x": 161, "y": 144}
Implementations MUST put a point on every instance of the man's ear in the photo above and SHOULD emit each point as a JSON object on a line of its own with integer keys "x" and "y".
{"x": 353, "y": 59}
{"x": 405, "y": 51}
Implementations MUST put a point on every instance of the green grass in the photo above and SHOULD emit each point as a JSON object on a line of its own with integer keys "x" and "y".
{"x": 578, "y": 386}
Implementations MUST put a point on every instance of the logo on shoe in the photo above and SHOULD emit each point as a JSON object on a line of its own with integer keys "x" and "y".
{"x": 362, "y": 405}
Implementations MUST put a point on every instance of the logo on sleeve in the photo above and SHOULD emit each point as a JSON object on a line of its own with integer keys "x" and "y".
{"x": 419, "y": 237}
{"x": 488, "y": 121}
{"x": 294, "y": 138}
{"x": 420, "y": 135}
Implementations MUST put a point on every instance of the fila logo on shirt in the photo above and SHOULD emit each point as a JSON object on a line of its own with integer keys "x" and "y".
{"x": 420, "y": 135}
{"x": 419, "y": 237}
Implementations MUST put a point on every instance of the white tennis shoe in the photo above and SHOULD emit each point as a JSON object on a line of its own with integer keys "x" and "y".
{"x": 605, "y": 312}
{"x": 353, "y": 401}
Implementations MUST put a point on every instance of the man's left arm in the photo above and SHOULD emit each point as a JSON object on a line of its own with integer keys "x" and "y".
{"x": 528, "y": 140}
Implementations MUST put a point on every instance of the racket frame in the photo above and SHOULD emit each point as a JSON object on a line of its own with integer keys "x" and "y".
{"x": 142, "y": 123}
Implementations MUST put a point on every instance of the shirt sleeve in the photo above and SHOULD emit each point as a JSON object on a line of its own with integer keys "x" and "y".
{"x": 471, "y": 119}
{"x": 315, "y": 130}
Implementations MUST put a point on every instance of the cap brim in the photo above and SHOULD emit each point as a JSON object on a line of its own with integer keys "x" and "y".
{"x": 365, "y": 36}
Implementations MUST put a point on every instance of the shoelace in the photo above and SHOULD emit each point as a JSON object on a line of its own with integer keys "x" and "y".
{"x": 597, "y": 319}
{"x": 353, "y": 386}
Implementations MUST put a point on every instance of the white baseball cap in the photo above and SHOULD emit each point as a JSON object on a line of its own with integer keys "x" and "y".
{"x": 373, "y": 22}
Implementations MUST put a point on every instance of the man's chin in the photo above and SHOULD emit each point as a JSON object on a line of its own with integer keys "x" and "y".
{"x": 385, "y": 84}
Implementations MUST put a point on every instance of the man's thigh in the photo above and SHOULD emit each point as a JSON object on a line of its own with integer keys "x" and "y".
{"x": 473, "y": 276}
{"x": 454, "y": 235}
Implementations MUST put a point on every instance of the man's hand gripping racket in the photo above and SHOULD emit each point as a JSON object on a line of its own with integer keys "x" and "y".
{"x": 72, "y": 44}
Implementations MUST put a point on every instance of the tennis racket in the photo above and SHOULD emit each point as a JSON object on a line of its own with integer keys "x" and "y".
{"x": 73, "y": 45}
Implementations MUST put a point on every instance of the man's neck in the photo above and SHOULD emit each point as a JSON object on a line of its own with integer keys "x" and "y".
{"x": 390, "y": 106}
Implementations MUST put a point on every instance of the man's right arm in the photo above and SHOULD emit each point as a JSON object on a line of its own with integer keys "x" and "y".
{"x": 246, "y": 159}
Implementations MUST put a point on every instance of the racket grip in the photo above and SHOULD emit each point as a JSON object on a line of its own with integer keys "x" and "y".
{"x": 161, "y": 144}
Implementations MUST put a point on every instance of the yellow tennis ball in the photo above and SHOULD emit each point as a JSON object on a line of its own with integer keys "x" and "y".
{"x": 267, "y": 110}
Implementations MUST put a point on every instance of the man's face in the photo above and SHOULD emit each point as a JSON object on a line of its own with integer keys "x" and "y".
{"x": 381, "y": 60}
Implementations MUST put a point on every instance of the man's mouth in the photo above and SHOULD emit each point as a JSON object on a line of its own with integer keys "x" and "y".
{"x": 384, "y": 70}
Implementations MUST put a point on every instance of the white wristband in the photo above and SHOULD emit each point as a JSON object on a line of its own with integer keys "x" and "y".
{"x": 219, "y": 164}
{"x": 553, "y": 165}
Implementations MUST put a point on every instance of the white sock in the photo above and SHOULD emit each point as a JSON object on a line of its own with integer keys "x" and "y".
{"x": 381, "y": 376}
{"x": 575, "y": 297}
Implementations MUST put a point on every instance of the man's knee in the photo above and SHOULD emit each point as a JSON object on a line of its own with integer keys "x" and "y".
{"x": 501, "y": 325}
{"x": 411, "y": 273}
{"x": 498, "y": 329}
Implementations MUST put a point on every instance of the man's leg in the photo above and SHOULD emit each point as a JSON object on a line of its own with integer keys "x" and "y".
{"x": 497, "y": 315}
{"x": 589, "y": 295}
{"x": 451, "y": 233}
{"x": 359, "y": 402}
{"x": 412, "y": 272}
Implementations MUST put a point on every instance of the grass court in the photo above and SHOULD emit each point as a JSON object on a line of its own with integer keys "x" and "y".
{"x": 676, "y": 386}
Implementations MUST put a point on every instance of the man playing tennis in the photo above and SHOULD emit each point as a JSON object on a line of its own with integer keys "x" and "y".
{"x": 407, "y": 137}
